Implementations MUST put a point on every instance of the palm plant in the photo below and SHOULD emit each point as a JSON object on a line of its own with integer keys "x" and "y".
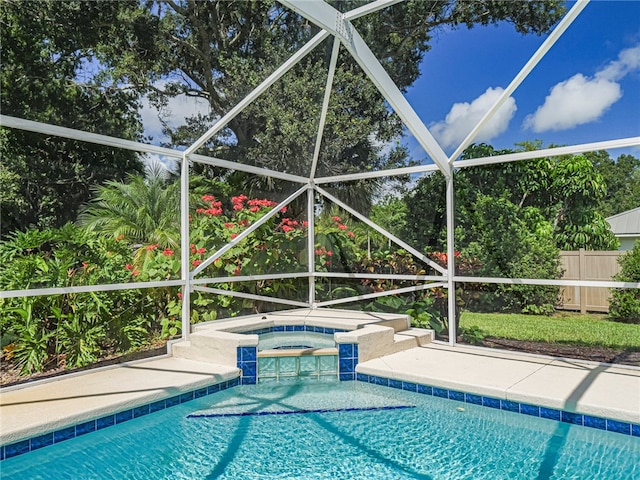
{"x": 146, "y": 210}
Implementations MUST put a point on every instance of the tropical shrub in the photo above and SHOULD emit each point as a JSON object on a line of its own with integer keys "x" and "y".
{"x": 624, "y": 305}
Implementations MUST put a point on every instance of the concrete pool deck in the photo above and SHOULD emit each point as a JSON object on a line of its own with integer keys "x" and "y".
{"x": 589, "y": 388}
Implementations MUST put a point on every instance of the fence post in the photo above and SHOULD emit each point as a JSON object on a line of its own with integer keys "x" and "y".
{"x": 582, "y": 270}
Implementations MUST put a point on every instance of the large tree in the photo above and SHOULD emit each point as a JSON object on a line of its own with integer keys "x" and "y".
{"x": 563, "y": 191}
{"x": 220, "y": 50}
{"x": 622, "y": 177}
{"x": 50, "y": 52}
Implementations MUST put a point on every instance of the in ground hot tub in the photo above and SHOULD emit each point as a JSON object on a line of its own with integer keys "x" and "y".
{"x": 296, "y": 351}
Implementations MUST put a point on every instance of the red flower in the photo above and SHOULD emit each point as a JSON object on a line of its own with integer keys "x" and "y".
{"x": 329, "y": 253}
{"x": 201, "y": 250}
{"x": 286, "y": 228}
{"x": 237, "y": 206}
{"x": 180, "y": 295}
{"x": 208, "y": 198}
{"x": 135, "y": 272}
{"x": 233, "y": 235}
{"x": 85, "y": 264}
{"x": 237, "y": 270}
{"x": 195, "y": 263}
{"x": 342, "y": 227}
{"x": 336, "y": 219}
{"x": 319, "y": 251}
{"x": 327, "y": 262}
{"x": 152, "y": 247}
{"x": 128, "y": 266}
{"x": 283, "y": 210}
{"x": 254, "y": 209}
{"x": 229, "y": 225}
{"x": 305, "y": 224}
{"x": 351, "y": 234}
{"x": 167, "y": 252}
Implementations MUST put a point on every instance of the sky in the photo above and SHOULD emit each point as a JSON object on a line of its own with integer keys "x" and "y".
{"x": 586, "y": 88}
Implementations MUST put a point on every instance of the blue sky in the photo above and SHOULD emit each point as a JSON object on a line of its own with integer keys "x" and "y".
{"x": 586, "y": 89}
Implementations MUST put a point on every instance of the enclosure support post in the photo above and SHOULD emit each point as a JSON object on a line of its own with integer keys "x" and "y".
{"x": 184, "y": 248}
{"x": 311, "y": 241}
{"x": 451, "y": 266}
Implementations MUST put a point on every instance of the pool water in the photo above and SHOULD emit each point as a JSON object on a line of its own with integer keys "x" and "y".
{"x": 290, "y": 340}
{"x": 349, "y": 430}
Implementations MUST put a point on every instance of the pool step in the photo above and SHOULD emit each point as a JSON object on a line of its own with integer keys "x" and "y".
{"x": 411, "y": 338}
{"x": 212, "y": 346}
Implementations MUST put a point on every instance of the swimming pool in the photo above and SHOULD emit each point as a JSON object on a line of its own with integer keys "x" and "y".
{"x": 350, "y": 430}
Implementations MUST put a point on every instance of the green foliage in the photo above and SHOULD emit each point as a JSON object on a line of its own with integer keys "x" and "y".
{"x": 624, "y": 305}
{"x": 622, "y": 178}
{"x": 472, "y": 334}
{"x": 46, "y": 49}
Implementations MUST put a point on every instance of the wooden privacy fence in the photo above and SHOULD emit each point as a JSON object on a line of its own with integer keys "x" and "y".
{"x": 588, "y": 265}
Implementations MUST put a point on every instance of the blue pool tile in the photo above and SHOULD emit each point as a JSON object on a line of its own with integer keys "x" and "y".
{"x": 347, "y": 365}
{"x": 454, "y": 395}
{"x": 106, "y": 421}
{"x": 509, "y": 406}
{"x": 317, "y": 329}
{"x": 380, "y": 381}
{"x": 574, "y": 418}
{"x": 595, "y": 422}
{"x": 278, "y": 328}
{"x": 409, "y": 386}
{"x": 141, "y": 410}
{"x": 475, "y": 399}
{"x": 42, "y": 441}
{"x": 249, "y": 380}
{"x": 247, "y": 354}
{"x": 185, "y": 397}
{"x": 425, "y": 389}
{"x": 1, "y": 453}
{"x": 64, "y": 434}
{"x": 532, "y": 410}
{"x": 156, "y": 406}
{"x": 213, "y": 388}
{"x": 362, "y": 377}
{"x": 17, "y": 448}
{"x": 440, "y": 392}
{"x": 635, "y": 430}
{"x": 124, "y": 416}
{"x": 298, "y": 328}
{"x": 200, "y": 393}
{"x": 170, "y": 402}
{"x": 232, "y": 383}
{"x": 330, "y": 331}
{"x": 249, "y": 369}
{"x": 85, "y": 427}
{"x": 620, "y": 427}
{"x": 288, "y": 328}
{"x": 550, "y": 413}
{"x": 395, "y": 383}
{"x": 491, "y": 402}
{"x": 347, "y": 376}
{"x": 345, "y": 350}
{"x": 355, "y": 351}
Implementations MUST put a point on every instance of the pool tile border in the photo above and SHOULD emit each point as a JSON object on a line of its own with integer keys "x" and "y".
{"x": 599, "y": 423}
{"x": 25, "y": 446}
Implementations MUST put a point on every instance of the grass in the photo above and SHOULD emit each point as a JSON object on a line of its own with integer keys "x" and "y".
{"x": 574, "y": 329}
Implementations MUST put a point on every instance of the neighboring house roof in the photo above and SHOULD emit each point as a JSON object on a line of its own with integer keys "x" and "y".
{"x": 625, "y": 224}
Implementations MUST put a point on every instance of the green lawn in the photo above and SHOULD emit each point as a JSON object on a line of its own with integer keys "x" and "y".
{"x": 576, "y": 329}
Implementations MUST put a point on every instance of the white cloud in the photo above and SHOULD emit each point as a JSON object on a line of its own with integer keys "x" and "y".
{"x": 463, "y": 117}
{"x": 581, "y": 99}
{"x": 174, "y": 114}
